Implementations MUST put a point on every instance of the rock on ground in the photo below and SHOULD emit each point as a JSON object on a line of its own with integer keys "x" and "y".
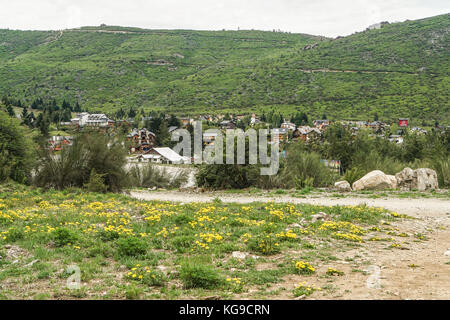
{"x": 374, "y": 180}
{"x": 421, "y": 179}
{"x": 343, "y": 186}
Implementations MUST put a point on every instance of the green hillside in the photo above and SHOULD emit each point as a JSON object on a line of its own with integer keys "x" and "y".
{"x": 401, "y": 70}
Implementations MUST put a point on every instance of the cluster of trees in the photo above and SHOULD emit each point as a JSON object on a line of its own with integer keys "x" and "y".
{"x": 358, "y": 154}
{"x": 50, "y": 112}
{"x": 98, "y": 159}
{"x": 16, "y": 150}
{"x": 94, "y": 159}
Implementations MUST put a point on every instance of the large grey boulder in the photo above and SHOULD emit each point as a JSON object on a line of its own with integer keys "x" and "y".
{"x": 343, "y": 186}
{"x": 421, "y": 179}
{"x": 374, "y": 180}
{"x": 393, "y": 181}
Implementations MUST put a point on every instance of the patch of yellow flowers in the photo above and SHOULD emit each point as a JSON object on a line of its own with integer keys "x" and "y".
{"x": 303, "y": 267}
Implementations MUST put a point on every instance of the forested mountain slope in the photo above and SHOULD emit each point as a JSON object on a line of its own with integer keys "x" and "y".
{"x": 399, "y": 70}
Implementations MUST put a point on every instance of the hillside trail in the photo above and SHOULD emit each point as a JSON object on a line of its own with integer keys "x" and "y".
{"x": 418, "y": 270}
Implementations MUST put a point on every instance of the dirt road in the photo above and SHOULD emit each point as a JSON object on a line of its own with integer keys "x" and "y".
{"x": 418, "y": 207}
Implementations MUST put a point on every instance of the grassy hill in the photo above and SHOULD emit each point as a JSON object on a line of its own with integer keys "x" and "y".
{"x": 401, "y": 69}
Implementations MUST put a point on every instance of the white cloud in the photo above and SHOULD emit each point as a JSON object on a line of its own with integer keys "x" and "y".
{"x": 325, "y": 17}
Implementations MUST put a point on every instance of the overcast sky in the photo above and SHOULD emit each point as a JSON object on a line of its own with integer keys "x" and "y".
{"x": 319, "y": 17}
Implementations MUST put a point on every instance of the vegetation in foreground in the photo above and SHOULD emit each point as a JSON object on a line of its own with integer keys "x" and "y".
{"x": 133, "y": 249}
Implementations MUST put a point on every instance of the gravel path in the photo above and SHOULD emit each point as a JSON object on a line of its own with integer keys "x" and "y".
{"x": 417, "y": 207}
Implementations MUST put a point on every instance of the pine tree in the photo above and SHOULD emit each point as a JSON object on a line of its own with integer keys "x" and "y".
{"x": 173, "y": 121}
{"x": 44, "y": 126}
{"x": 24, "y": 113}
{"x": 10, "y": 110}
{"x": 163, "y": 137}
{"x": 77, "y": 107}
{"x": 131, "y": 113}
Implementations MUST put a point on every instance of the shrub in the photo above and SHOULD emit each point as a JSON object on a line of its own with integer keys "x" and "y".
{"x": 353, "y": 174}
{"x": 264, "y": 244}
{"x": 133, "y": 293}
{"x": 15, "y": 234}
{"x": 149, "y": 175}
{"x": 108, "y": 235}
{"x": 182, "y": 243}
{"x": 73, "y": 166}
{"x": 305, "y": 268}
{"x": 374, "y": 160}
{"x": 147, "y": 275}
{"x": 302, "y": 169}
{"x": 442, "y": 167}
{"x": 227, "y": 176}
{"x": 96, "y": 182}
{"x": 197, "y": 275}
{"x": 131, "y": 246}
{"x": 63, "y": 236}
{"x": 16, "y": 150}
{"x": 304, "y": 290}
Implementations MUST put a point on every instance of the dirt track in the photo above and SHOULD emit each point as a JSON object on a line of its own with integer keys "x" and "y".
{"x": 417, "y": 207}
{"x": 429, "y": 279}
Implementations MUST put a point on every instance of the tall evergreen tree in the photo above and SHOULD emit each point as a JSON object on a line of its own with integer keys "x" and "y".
{"x": 10, "y": 110}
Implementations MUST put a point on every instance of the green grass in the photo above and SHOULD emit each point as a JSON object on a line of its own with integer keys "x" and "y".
{"x": 131, "y": 249}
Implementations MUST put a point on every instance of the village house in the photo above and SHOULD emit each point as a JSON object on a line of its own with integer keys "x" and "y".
{"x": 227, "y": 124}
{"x": 56, "y": 143}
{"x": 172, "y": 128}
{"x": 254, "y": 120}
{"x": 209, "y": 138}
{"x": 321, "y": 124}
{"x": 165, "y": 155}
{"x": 240, "y": 116}
{"x": 418, "y": 130}
{"x": 396, "y": 138}
{"x": 288, "y": 125}
{"x": 85, "y": 119}
{"x": 283, "y": 134}
{"x": 376, "y": 126}
{"x": 142, "y": 140}
{"x": 306, "y": 133}
{"x": 186, "y": 121}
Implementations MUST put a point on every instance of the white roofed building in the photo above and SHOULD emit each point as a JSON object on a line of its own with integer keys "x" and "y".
{"x": 85, "y": 119}
{"x": 169, "y": 156}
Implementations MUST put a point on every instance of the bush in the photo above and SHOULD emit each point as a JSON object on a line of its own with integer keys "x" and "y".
{"x": 197, "y": 275}
{"x": 373, "y": 160}
{"x": 264, "y": 244}
{"x": 147, "y": 275}
{"x": 131, "y": 246}
{"x": 133, "y": 293}
{"x": 108, "y": 235}
{"x": 63, "y": 236}
{"x": 353, "y": 174}
{"x": 182, "y": 243}
{"x": 15, "y": 234}
{"x": 16, "y": 150}
{"x": 96, "y": 182}
{"x": 149, "y": 176}
{"x": 303, "y": 168}
{"x": 227, "y": 176}
{"x": 73, "y": 165}
{"x": 442, "y": 167}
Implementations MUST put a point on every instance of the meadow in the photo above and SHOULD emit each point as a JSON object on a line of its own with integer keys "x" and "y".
{"x": 131, "y": 249}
